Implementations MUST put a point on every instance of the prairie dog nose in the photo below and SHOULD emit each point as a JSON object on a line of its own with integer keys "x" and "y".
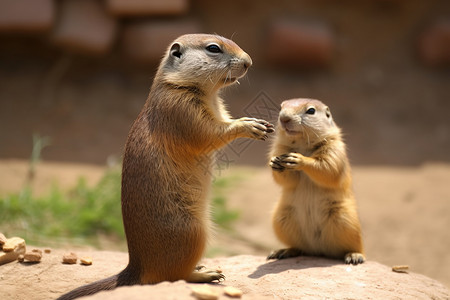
{"x": 285, "y": 118}
{"x": 247, "y": 61}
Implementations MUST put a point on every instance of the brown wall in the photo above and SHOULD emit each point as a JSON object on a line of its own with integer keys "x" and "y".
{"x": 374, "y": 62}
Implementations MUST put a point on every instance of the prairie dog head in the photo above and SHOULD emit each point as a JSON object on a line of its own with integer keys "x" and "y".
{"x": 205, "y": 61}
{"x": 306, "y": 118}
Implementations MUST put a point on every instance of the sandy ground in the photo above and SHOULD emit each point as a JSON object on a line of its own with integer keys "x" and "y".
{"x": 404, "y": 211}
{"x": 258, "y": 279}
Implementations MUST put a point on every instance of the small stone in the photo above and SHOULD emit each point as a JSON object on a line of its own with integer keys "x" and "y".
{"x": 205, "y": 292}
{"x": 33, "y": 256}
{"x": 232, "y": 292}
{"x": 70, "y": 258}
{"x": 13, "y": 243}
{"x": 37, "y": 250}
{"x": 3, "y": 239}
{"x": 400, "y": 268}
{"x": 21, "y": 258}
{"x": 86, "y": 261}
{"x": 48, "y": 250}
{"x": 6, "y": 257}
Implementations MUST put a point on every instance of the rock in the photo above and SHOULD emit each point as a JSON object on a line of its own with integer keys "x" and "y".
{"x": 3, "y": 239}
{"x": 36, "y": 250}
{"x": 7, "y": 257}
{"x": 232, "y": 292}
{"x": 299, "y": 44}
{"x": 308, "y": 278}
{"x": 13, "y": 243}
{"x": 84, "y": 26}
{"x": 70, "y": 258}
{"x": 147, "y": 41}
{"x": 206, "y": 292}
{"x": 26, "y": 15}
{"x": 258, "y": 279}
{"x": 33, "y": 257}
{"x": 86, "y": 261}
{"x": 169, "y": 291}
{"x": 47, "y": 250}
{"x": 147, "y": 7}
{"x": 400, "y": 269}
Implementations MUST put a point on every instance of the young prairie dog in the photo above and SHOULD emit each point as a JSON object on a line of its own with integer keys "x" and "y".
{"x": 316, "y": 214}
{"x": 168, "y": 161}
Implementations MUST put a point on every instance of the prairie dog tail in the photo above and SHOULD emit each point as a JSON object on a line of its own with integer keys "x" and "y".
{"x": 121, "y": 279}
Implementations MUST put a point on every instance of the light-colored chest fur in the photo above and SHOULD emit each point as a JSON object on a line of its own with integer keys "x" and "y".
{"x": 307, "y": 206}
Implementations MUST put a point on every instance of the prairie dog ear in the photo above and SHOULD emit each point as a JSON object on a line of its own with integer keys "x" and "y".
{"x": 175, "y": 50}
{"x": 328, "y": 112}
{"x": 329, "y": 116}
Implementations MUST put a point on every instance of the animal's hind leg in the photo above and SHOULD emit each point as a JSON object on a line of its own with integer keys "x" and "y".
{"x": 354, "y": 258}
{"x": 202, "y": 275}
{"x": 285, "y": 253}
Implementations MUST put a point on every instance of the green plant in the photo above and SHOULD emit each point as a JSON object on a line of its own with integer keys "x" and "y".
{"x": 221, "y": 214}
{"x": 39, "y": 144}
{"x": 99, "y": 209}
{"x": 84, "y": 212}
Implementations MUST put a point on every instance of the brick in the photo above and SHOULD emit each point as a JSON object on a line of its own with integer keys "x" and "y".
{"x": 299, "y": 44}
{"x": 434, "y": 44}
{"x": 26, "y": 15}
{"x": 147, "y": 7}
{"x": 84, "y": 26}
{"x": 147, "y": 41}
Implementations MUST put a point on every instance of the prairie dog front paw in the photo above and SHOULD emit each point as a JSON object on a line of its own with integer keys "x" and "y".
{"x": 293, "y": 161}
{"x": 254, "y": 128}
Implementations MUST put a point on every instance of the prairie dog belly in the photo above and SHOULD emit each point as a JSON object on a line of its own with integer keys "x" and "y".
{"x": 303, "y": 215}
{"x": 316, "y": 214}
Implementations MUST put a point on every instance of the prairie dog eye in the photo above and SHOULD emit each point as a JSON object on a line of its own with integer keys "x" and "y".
{"x": 311, "y": 111}
{"x": 213, "y": 48}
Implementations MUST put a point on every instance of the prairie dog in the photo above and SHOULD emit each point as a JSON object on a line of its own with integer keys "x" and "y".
{"x": 167, "y": 163}
{"x": 316, "y": 214}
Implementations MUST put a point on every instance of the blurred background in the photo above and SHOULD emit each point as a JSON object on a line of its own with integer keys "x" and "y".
{"x": 75, "y": 73}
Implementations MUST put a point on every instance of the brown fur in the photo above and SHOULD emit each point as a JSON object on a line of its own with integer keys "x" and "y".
{"x": 316, "y": 214}
{"x": 168, "y": 159}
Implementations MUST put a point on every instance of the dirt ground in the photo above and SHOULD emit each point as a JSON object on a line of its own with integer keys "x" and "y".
{"x": 258, "y": 279}
{"x": 403, "y": 210}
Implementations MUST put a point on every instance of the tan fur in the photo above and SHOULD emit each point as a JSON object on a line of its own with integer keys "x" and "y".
{"x": 168, "y": 162}
{"x": 316, "y": 214}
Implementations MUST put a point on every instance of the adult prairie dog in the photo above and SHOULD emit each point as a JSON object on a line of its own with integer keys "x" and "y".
{"x": 316, "y": 214}
{"x": 167, "y": 164}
